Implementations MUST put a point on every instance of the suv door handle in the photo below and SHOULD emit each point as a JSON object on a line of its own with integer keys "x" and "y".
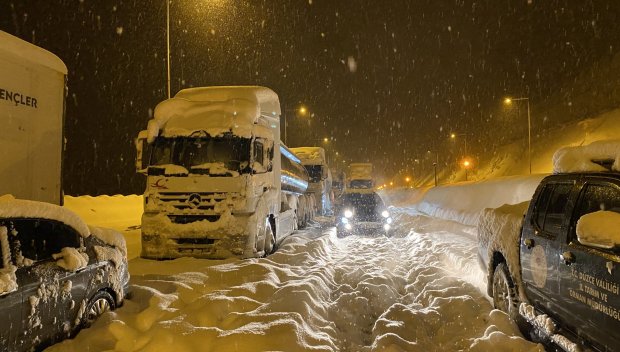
{"x": 529, "y": 243}
{"x": 568, "y": 257}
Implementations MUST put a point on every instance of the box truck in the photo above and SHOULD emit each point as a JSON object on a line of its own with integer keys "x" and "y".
{"x": 32, "y": 110}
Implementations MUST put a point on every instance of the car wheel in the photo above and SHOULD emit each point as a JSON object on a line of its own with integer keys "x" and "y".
{"x": 100, "y": 303}
{"x": 504, "y": 291}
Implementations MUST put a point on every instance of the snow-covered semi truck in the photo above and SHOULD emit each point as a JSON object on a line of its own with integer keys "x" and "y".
{"x": 32, "y": 110}
{"x": 315, "y": 162}
{"x": 360, "y": 177}
{"x": 219, "y": 181}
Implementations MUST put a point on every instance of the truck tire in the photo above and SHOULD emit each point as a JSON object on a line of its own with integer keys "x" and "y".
{"x": 504, "y": 291}
{"x": 270, "y": 239}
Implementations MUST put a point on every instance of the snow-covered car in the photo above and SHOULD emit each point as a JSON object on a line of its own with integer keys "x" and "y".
{"x": 362, "y": 213}
{"x": 57, "y": 274}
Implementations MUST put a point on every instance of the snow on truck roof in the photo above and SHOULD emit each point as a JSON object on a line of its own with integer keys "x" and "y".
{"x": 30, "y": 52}
{"x": 310, "y": 155}
{"x": 587, "y": 158}
{"x": 20, "y": 208}
{"x": 215, "y": 110}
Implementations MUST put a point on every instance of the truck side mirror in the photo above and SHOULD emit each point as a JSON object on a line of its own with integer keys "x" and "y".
{"x": 140, "y": 168}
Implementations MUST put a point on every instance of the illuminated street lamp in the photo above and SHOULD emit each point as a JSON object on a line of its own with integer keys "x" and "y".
{"x": 301, "y": 111}
{"x": 508, "y": 101}
{"x": 466, "y": 165}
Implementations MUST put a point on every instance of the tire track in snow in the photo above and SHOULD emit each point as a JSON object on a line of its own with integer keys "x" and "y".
{"x": 316, "y": 293}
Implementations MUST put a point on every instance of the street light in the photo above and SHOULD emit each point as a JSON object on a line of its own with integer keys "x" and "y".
{"x": 168, "y": 44}
{"x": 509, "y": 101}
{"x": 301, "y": 110}
{"x": 466, "y": 165}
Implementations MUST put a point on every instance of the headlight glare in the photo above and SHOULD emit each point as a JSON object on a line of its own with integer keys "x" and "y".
{"x": 385, "y": 214}
{"x": 348, "y": 213}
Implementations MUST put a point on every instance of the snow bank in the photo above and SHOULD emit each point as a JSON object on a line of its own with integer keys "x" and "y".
{"x": 599, "y": 229}
{"x": 580, "y": 158}
{"x": 463, "y": 202}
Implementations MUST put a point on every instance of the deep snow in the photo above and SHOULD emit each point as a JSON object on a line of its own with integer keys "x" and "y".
{"x": 421, "y": 290}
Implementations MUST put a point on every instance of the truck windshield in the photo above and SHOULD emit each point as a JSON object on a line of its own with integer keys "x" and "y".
{"x": 315, "y": 172}
{"x": 222, "y": 156}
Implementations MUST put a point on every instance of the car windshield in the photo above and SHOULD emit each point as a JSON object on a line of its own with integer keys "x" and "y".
{"x": 223, "y": 156}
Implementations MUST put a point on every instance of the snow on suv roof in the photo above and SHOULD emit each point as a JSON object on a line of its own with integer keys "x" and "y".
{"x": 215, "y": 110}
{"x": 588, "y": 158}
{"x": 18, "y": 208}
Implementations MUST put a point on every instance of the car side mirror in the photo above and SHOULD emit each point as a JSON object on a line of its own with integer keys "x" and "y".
{"x": 140, "y": 141}
{"x": 599, "y": 229}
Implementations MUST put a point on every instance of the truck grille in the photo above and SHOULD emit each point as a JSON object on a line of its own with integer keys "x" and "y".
{"x": 194, "y": 206}
{"x": 186, "y": 219}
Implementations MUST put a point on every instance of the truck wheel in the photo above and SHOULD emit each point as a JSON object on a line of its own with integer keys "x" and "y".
{"x": 100, "y": 303}
{"x": 504, "y": 291}
{"x": 270, "y": 239}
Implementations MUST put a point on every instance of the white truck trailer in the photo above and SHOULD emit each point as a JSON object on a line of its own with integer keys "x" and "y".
{"x": 32, "y": 110}
{"x": 313, "y": 159}
{"x": 360, "y": 177}
{"x": 219, "y": 181}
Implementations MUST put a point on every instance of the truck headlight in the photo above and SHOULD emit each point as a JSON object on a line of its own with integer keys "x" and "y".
{"x": 348, "y": 226}
{"x": 385, "y": 214}
{"x": 389, "y": 220}
{"x": 386, "y": 227}
{"x": 345, "y": 221}
{"x": 348, "y": 213}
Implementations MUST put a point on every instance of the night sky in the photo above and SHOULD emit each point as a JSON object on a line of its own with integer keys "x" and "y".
{"x": 386, "y": 81}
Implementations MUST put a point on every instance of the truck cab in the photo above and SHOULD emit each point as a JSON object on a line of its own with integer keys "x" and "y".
{"x": 219, "y": 183}
{"x": 570, "y": 256}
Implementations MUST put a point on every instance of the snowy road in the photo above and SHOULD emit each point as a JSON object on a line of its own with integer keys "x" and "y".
{"x": 416, "y": 291}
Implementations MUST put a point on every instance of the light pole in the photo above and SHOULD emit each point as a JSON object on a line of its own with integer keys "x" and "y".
{"x": 435, "y": 164}
{"x": 509, "y": 101}
{"x": 466, "y": 165}
{"x": 168, "y": 44}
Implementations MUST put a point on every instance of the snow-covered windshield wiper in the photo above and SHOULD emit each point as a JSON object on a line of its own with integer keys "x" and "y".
{"x": 167, "y": 170}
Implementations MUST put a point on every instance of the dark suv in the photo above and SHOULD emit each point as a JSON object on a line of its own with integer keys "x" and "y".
{"x": 362, "y": 213}
{"x": 562, "y": 271}
{"x": 56, "y": 274}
